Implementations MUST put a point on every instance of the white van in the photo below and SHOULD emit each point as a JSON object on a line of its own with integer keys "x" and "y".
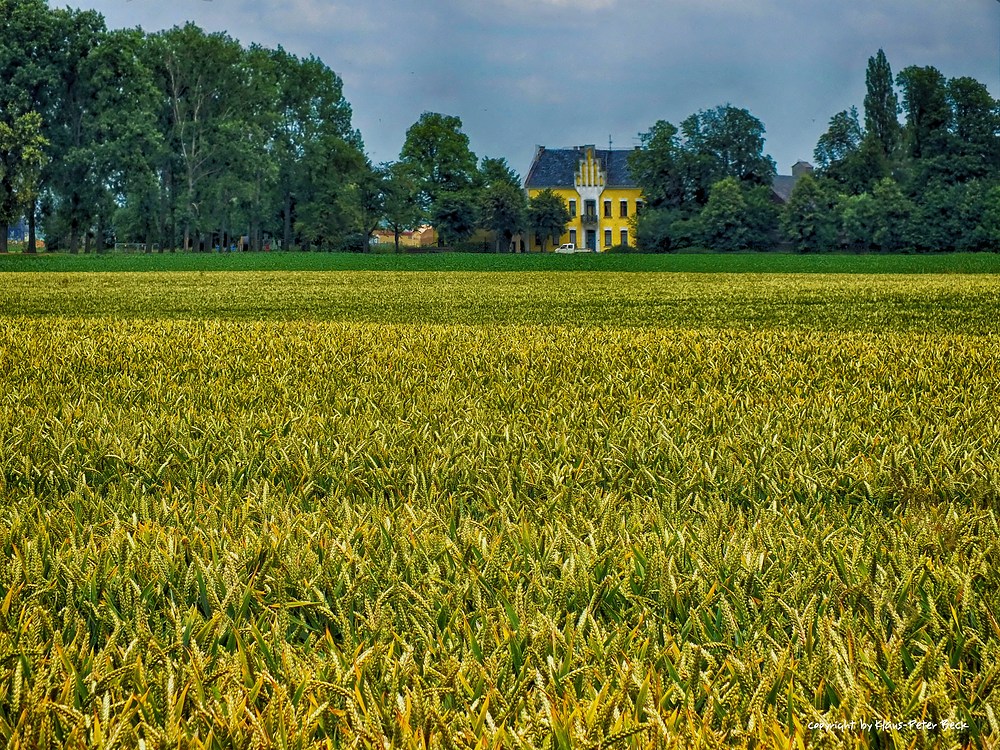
{"x": 569, "y": 247}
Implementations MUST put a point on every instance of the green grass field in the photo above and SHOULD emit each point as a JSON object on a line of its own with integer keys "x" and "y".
{"x": 681, "y": 263}
{"x": 539, "y": 510}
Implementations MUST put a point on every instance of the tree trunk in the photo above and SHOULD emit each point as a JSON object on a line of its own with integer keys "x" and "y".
{"x": 74, "y": 240}
{"x": 287, "y": 238}
{"x": 4, "y": 228}
{"x": 32, "y": 239}
{"x": 396, "y": 233}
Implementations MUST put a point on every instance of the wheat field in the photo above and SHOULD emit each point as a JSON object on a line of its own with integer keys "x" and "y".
{"x": 465, "y": 511}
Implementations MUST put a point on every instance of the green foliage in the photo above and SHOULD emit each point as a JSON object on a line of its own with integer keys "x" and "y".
{"x": 21, "y": 160}
{"x": 16, "y": 270}
{"x": 658, "y": 167}
{"x": 494, "y": 172}
{"x": 727, "y": 142}
{"x": 437, "y": 153}
{"x": 400, "y": 208}
{"x": 881, "y": 105}
{"x": 811, "y": 221}
{"x": 841, "y": 140}
{"x": 661, "y": 230}
{"x": 548, "y": 216}
{"x": 722, "y": 223}
{"x": 928, "y": 114}
{"x": 503, "y": 210}
{"x": 455, "y": 216}
{"x": 736, "y": 217}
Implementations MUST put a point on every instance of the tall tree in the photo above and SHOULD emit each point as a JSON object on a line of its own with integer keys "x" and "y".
{"x": 88, "y": 125}
{"x": 928, "y": 114}
{"x": 326, "y": 193}
{"x": 438, "y": 155}
{"x": 496, "y": 171}
{"x": 311, "y": 107}
{"x": 21, "y": 158}
{"x": 204, "y": 95}
{"x": 849, "y": 156}
{"x": 881, "y": 104}
{"x": 29, "y": 72}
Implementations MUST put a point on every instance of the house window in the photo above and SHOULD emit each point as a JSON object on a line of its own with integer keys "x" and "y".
{"x": 572, "y": 209}
{"x": 624, "y": 237}
{"x": 638, "y": 207}
{"x": 590, "y": 208}
{"x": 607, "y": 238}
{"x": 572, "y": 236}
{"x": 607, "y": 209}
{"x": 623, "y": 208}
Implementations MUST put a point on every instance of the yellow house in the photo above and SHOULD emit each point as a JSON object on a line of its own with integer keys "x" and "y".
{"x": 599, "y": 191}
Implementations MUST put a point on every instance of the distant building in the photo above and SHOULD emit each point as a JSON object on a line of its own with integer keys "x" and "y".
{"x": 783, "y": 184}
{"x": 598, "y": 189}
{"x": 423, "y": 236}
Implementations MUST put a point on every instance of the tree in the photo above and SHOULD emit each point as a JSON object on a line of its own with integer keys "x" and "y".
{"x": 21, "y": 159}
{"x": 204, "y": 94}
{"x": 840, "y": 142}
{"x": 29, "y": 46}
{"x": 437, "y": 153}
{"x": 975, "y": 124}
{"x": 657, "y": 167}
{"x": 881, "y": 105}
{"x": 859, "y": 221}
{"x": 503, "y": 210}
{"x": 365, "y": 203}
{"x": 310, "y": 106}
{"x": 326, "y": 209}
{"x": 454, "y": 216}
{"x": 496, "y": 171}
{"x": 400, "y": 208}
{"x": 892, "y": 212}
{"x": 722, "y": 224}
{"x": 988, "y": 228}
{"x": 548, "y": 216}
{"x": 928, "y": 114}
{"x": 810, "y": 219}
{"x": 726, "y": 142}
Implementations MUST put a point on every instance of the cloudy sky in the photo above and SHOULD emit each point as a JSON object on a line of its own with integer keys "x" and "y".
{"x": 568, "y": 72}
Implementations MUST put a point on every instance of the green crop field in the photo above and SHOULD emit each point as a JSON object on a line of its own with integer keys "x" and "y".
{"x": 413, "y": 508}
{"x": 966, "y": 263}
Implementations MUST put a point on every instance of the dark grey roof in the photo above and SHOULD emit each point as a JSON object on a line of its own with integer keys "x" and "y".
{"x": 556, "y": 167}
{"x": 782, "y": 185}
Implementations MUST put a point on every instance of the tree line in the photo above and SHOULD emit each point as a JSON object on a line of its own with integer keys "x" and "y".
{"x": 187, "y": 139}
{"x": 929, "y": 183}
